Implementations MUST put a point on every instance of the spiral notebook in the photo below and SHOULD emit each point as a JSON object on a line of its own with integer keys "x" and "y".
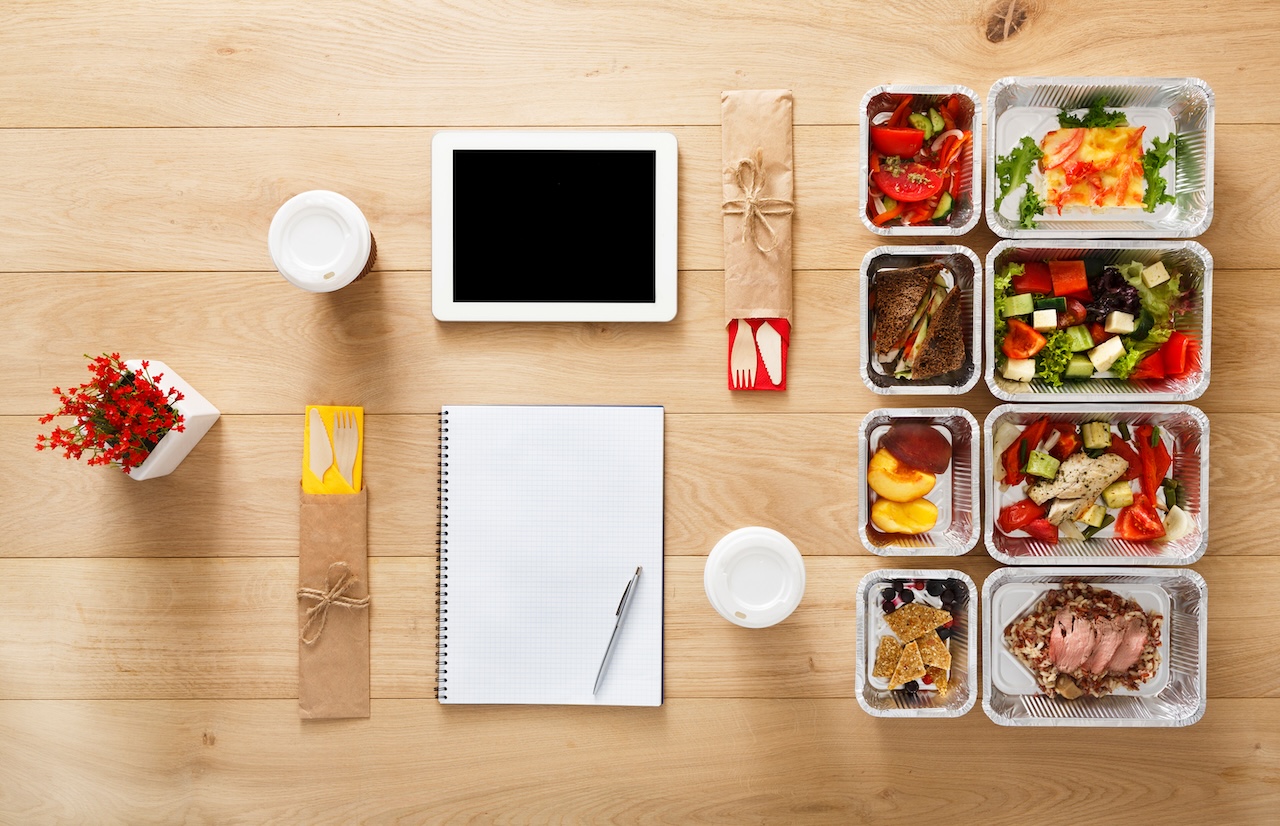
{"x": 546, "y": 512}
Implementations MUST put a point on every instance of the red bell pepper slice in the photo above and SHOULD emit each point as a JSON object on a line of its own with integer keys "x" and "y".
{"x": 1068, "y": 277}
{"x": 1121, "y": 448}
{"x": 1140, "y": 521}
{"x": 1151, "y": 476}
{"x": 1031, "y": 435}
{"x": 1174, "y": 355}
{"x": 1043, "y": 530}
{"x": 948, "y": 119}
{"x": 1151, "y": 367}
{"x": 889, "y": 214}
{"x": 899, "y": 117}
{"x": 1016, "y": 516}
{"x": 1034, "y": 279}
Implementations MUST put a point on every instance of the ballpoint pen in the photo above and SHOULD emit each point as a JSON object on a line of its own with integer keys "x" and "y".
{"x": 621, "y": 614}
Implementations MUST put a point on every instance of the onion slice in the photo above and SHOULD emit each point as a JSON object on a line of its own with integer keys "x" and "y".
{"x": 938, "y": 141}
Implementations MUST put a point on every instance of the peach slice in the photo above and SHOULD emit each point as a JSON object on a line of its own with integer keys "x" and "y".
{"x": 914, "y": 517}
{"x": 892, "y": 479}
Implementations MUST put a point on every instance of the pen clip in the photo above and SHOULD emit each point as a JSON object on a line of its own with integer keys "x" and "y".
{"x": 623, "y": 601}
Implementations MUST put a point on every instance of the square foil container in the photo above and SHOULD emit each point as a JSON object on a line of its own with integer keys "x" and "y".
{"x": 1188, "y": 257}
{"x": 956, "y": 496}
{"x": 965, "y": 268}
{"x": 1180, "y": 701}
{"x": 962, "y": 693}
{"x": 1189, "y": 427}
{"x": 1019, "y": 106}
{"x": 965, "y": 213}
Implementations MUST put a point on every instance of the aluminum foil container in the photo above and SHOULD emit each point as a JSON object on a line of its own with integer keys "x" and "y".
{"x": 1020, "y": 106}
{"x": 962, "y": 692}
{"x": 1177, "y": 694}
{"x": 965, "y": 213}
{"x": 1189, "y": 428}
{"x": 955, "y": 493}
{"x": 965, "y": 269}
{"x": 1188, "y": 257}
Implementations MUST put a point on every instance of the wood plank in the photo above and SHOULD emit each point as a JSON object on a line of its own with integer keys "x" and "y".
{"x": 226, "y": 628}
{"x": 563, "y": 63}
{"x": 691, "y": 761}
{"x": 236, "y": 494}
{"x": 202, "y": 199}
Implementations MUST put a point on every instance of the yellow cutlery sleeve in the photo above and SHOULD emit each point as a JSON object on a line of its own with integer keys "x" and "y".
{"x": 332, "y": 481}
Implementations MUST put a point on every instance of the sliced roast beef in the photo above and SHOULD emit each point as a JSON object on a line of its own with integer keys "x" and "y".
{"x": 1110, "y": 633}
{"x": 1130, "y": 649}
{"x": 1077, "y": 641}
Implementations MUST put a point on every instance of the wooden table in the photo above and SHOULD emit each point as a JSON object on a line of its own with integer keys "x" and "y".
{"x": 148, "y": 662}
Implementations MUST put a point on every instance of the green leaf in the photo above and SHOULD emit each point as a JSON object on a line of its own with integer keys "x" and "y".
{"x": 1003, "y": 285}
{"x": 1012, "y": 169}
{"x": 1096, "y": 116}
{"x": 1029, "y": 208}
{"x": 1052, "y": 361}
{"x": 1153, "y": 161}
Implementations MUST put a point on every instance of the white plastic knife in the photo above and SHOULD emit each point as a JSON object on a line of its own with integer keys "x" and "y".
{"x": 321, "y": 452}
{"x": 769, "y": 341}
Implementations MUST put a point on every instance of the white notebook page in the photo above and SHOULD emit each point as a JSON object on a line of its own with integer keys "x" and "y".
{"x": 548, "y": 512}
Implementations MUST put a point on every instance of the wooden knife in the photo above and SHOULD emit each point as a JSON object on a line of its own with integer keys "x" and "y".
{"x": 320, "y": 451}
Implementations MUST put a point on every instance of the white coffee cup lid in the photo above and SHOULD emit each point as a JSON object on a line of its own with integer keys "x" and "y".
{"x": 754, "y": 577}
{"x": 319, "y": 241}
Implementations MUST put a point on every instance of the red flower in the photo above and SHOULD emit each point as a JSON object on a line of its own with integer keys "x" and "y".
{"x": 120, "y": 415}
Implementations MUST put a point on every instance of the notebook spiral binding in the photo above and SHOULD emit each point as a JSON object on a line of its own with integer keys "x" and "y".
{"x": 442, "y": 564}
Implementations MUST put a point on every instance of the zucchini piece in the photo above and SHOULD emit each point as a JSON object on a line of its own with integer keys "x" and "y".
{"x": 1078, "y": 368}
{"x": 1042, "y": 465}
{"x": 1058, "y": 303}
{"x": 1020, "y": 304}
{"x": 1118, "y": 494}
{"x": 1094, "y": 515}
{"x": 1096, "y": 435}
{"x": 1091, "y": 530}
{"x": 1080, "y": 339}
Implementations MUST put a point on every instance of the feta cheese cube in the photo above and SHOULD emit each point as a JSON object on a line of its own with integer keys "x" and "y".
{"x": 1106, "y": 353}
{"x": 1119, "y": 323}
{"x": 1020, "y": 369}
{"x": 1044, "y": 320}
{"x": 1155, "y": 275}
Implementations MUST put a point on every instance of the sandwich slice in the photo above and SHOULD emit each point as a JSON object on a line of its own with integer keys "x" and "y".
{"x": 899, "y": 294}
{"x": 942, "y": 348}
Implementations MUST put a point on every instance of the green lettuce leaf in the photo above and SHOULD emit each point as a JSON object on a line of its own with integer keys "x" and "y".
{"x": 1152, "y": 162}
{"x": 1097, "y": 115}
{"x": 1012, "y": 169}
{"x": 1052, "y": 361}
{"x": 1160, "y": 301}
{"x": 1029, "y": 208}
{"x": 1003, "y": 286}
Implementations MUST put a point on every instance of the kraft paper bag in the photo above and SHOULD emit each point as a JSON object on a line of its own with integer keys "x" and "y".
{"x": 758, "y": 184}
{"x": 333, "y": 606}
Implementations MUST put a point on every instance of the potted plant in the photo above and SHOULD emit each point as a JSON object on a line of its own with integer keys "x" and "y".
{"x": 137, "y": 415}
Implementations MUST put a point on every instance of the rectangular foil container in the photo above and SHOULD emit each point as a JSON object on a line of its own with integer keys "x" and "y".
{"x": 1181, "y": 701}
{"x": 1189, "y": 427}
{"x": 1184, "y": 105}
{"x": 1188, "y": 257}
{"x": 961, "y": 695}
{"x": 965, "y": 267}
{"x": 957, "y": 498}
{"x": 965, "y": 212}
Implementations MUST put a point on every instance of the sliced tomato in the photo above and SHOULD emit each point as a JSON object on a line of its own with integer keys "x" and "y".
{"x": 1021, "y": 340}
{"x": 1075, "y": 313}
{"x": 1174, "y": 354}
{"x": 1068, "y": 440}
{"x": 1121, "y": 448}
{"x": 1151, "y": 367}
{"x": 1034, "y": 279}
{"x": 1059, "y": 145}
{"x": 1043, "y": 530}
{"x": 1098, "y": 332}
{"x": 907, "y": 181}
{"x": 1068, "y": 277}
{"x": 1140, "y": 521}
{"x": 1014, "y": 517}
{"x": 904, "y": 142}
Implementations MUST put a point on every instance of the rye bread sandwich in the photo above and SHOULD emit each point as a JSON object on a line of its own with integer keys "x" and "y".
{"x": 917, "y": 322}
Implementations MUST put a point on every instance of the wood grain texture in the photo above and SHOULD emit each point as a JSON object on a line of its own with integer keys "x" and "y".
{"x": 330, "y": 63}
{"x": 202, "y": 199}
{"x": 691, "y": 761}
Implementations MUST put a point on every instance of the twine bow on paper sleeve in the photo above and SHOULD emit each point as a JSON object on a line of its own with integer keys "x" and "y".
{"x": 748, "y": 173}
{"x": 339, "y": 580}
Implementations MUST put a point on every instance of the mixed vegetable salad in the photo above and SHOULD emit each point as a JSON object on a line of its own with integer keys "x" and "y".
{"x": 916, "y": 161}
{"x": 1080, "y": 319}
{"x": 1079, "y": 480}
{"x": 1095, "y": 160}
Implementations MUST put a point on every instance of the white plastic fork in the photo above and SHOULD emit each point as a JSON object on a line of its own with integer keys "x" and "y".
{"x": 346, "y": 437}
{"x": 742, "y": 358}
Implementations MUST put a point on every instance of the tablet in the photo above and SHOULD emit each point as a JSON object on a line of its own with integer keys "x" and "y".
{"x": 553, "y": 226}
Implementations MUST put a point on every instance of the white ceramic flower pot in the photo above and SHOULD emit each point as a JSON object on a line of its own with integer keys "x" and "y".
{"x": 198, "y": 415}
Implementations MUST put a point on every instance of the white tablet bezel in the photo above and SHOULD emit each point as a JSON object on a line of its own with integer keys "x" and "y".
{"x": 662, "y": 144}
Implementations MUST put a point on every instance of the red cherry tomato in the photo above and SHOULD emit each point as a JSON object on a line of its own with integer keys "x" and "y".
{"x": 907, "y": 181}
{"x": 1021, "y": 341}
{"x": 903, "y": 142}
{"x": 1074, "y": 315}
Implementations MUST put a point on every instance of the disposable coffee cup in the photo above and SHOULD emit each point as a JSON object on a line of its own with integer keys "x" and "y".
{"x": 754, "y": 577}
{"x": 320, "y": 241}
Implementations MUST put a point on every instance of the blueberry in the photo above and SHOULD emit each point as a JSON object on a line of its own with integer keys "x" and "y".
{"x": 887, "y": 606}
{"x": 934, "y": 587}
{"x": 906, "y": 595}
{"x": 948, "y": 599}
{"x": 911, "y": 687}
{"x": 944, "y": 633}
{"x": 888, "y": 594}
{"x": 898, "y": 585}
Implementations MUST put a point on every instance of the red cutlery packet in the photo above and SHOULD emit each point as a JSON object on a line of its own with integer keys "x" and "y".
{"x": 762, "y": 382}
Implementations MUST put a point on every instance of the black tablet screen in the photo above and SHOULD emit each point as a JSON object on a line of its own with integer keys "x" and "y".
{"x": 554, "y": 225}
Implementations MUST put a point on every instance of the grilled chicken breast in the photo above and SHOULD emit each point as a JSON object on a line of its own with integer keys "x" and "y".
{"x": 1079, "y": 477}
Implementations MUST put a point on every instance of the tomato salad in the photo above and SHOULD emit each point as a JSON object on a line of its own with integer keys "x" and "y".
{"x": 1079, "y": 480}
{"x": 915, "y": 163}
